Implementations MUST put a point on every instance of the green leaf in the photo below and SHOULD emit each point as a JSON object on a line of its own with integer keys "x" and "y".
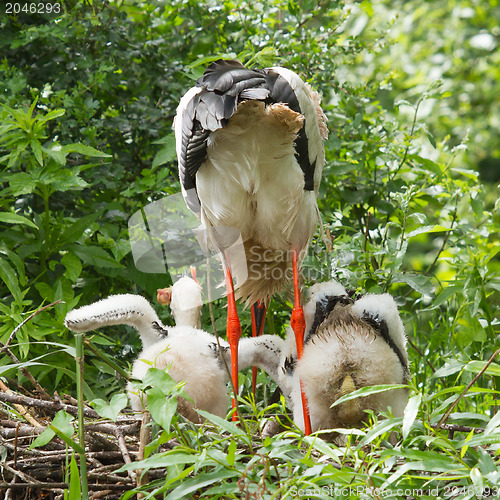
{"x": 420, "y": 283}
{"x": 427, "y": 229}
{"x": 22, "y": 183}
{"x": 162, "y": 408}
{"x": 56, "y": 152}
{"x": 445, "y": 294}
{"x": 83, "y": 149}
{"x": 493, "y": 424}
{"x": 78, "y": 228}
{"x": 367, "y": 391}
{"x": 70, "y": 442}
{"x": 410, "y": 413}
{"x": 160, "y": 379}
{"x": 37, "y": 150}
{"x": 449, "y": 368}
{"x": 9, "y": 277}
{"x": 11, "y": 218}
{"x": 62, "y": 423}
{"x": 95, "y": 256}
{"x": 75, "y": 492}
{"x": 225, "y": 425}
{"x": 112, "y": 409}
{"x": 167, "y": 153}
{"x": 51, "y": 115}
{"x": 383, "y": 427}
{"x": 191, "y": 485}
{"x": 476, "y": 366}
{"x": 231, "y": 452}
{"x": 73, "y": 266}
{"x": 168, "y": 459}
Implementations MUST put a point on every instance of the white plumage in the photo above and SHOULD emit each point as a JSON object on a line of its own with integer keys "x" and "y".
{"x": 349, "y": 344}
{"x": 123, "y": 309}
{"x": 189, "y": 354}
{"x": 185, "y": 300}
{"x": 353, "y": 346}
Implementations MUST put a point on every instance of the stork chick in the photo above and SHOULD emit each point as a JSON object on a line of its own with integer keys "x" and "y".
{"x": 189, "y": 354}
{"x": 185, "y": 300}
{"x": 349, "y": 345}
{"x": 250, "y": 155}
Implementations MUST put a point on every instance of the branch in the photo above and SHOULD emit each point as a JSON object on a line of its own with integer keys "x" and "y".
{"x": 20, "y": 325}
{"x": 472, "y": 382}
{"x": 52, "y": 406}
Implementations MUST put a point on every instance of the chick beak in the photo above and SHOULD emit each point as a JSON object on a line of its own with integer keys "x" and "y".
{"x": 164, "y": 296}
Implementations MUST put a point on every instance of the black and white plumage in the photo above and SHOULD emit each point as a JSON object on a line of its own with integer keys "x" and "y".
{"x": 250, "y": 154}
{"x": 189, "y": 354}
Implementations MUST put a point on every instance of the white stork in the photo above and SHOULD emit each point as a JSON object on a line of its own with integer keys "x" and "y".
{"x": 190, "y": 354}
{"x": 250, "y": 155}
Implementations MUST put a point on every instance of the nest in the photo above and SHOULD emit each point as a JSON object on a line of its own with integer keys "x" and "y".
{"x": 43, "y": 472}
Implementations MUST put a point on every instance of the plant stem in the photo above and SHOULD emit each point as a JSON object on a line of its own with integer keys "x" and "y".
{"x": 106, "y": 359}
{"x": 472, "y": 382}
{"x": 81, "y": 428}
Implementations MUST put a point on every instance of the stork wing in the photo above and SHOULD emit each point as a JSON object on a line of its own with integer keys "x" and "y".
{"x": 212, "y": 102}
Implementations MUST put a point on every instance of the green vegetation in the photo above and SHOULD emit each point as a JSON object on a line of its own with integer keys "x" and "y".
{"x": 409, "y": 200}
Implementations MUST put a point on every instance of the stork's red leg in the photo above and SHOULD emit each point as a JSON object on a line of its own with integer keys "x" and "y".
{"x": 233, "y": 334}
{"x": 298, "y": 324}
{"x": 258, "y": 318}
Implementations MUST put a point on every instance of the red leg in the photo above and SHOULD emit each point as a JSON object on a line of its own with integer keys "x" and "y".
{"x": 258, "y": 317}
{"x": 233, "y": 334}
{"x": 298, "y": 324}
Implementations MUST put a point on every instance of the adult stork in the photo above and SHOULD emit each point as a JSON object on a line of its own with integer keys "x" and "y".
{"x": 250, "y": 155}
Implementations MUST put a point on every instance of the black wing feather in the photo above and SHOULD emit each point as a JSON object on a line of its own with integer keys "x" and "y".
{"x": 380, "y": 326}
{"x": 324, "y": 307}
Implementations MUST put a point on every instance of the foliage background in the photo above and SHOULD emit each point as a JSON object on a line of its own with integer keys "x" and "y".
{"x": 409, "y": 196}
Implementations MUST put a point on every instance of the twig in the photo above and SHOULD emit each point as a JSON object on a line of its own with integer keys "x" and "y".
{"x": 472, "y": 382}
{"x": 124, "y": 451}
{"x": 52, "y": 406}
{"x": 25, "y": 372}
{"x": 109, "y": 428}
{"x": 458, "y": 428}
{"x": 20, "y": 325}
{"x": 22, "y": 475}
{"x": 144, "y": 440}
{"x": 62, "y": 486}
{"x": 20, "y": 408}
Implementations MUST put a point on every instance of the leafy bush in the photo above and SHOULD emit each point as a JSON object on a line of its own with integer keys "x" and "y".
{"x": 85, "y": 141}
